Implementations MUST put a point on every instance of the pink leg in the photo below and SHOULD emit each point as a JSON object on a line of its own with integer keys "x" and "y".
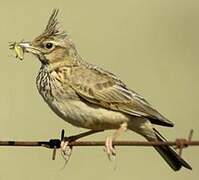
{"x": 109, "y": 148}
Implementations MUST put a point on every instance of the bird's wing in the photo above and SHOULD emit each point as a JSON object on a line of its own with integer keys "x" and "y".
{"x": 104, "y": 89}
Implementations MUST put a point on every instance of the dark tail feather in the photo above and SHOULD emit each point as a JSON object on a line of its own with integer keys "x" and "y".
{"x": 169, "y": 155}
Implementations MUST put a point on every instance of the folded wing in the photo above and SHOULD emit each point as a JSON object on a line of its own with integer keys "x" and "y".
{"x": 104, "y": 89}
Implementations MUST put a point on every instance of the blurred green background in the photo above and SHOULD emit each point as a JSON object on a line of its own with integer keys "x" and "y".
{"x": 151, "y": 45}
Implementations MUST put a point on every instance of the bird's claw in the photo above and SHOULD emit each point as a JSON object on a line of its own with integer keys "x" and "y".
{"x": 110, "y": 149}
{"x": 66, "y": 150}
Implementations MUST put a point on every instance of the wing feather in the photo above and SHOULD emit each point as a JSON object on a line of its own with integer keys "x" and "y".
{"x": 107, "y": 91}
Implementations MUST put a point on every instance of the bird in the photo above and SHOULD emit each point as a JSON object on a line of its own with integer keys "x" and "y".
{"x": 90, "y": 97}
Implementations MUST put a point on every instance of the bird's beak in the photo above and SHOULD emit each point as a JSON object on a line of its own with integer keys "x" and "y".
{"x": 22, "y": 47}
{"x": 28, "y": 47}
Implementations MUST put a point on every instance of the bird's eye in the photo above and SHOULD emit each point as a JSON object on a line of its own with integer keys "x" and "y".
{"x": 48, "y": 45}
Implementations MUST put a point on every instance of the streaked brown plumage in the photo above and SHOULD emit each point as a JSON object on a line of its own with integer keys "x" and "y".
{"x": 90, "y": 97}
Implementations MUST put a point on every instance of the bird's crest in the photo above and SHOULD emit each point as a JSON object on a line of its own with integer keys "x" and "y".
{"x": 53, "y": 27}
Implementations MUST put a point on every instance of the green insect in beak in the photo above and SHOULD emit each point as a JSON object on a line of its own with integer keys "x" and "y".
{"x": 19, "y": 52}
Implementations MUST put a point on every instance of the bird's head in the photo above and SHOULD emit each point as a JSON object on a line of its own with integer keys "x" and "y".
{"x": 52, "y": 46}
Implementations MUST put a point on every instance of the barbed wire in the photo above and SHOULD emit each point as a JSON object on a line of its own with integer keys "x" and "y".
{"x": 179, "y": 143}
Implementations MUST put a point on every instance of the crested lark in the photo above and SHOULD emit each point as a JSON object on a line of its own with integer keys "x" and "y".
{"x": 89, "y": 97}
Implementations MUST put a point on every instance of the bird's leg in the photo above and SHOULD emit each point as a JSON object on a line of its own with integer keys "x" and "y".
{"x": 109, "y": 148}
{"x": 66, "y": 149}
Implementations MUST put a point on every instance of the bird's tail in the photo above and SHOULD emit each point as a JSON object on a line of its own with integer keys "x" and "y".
{"x": 169, "y": 155}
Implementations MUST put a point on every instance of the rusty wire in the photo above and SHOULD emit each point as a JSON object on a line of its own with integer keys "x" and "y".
{"x": 54, "y": 144}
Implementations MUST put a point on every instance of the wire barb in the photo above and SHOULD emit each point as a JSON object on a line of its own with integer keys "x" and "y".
{"x": 54, "y": 153}
{"x": 184, "y": 143}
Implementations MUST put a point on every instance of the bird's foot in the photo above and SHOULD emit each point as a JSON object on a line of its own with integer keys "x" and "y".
{"x": 110, "y": 149}
{"x": 66, "y": 150}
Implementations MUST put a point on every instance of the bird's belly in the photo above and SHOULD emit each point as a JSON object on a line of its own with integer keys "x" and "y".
{"x": 88, "y": 116}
